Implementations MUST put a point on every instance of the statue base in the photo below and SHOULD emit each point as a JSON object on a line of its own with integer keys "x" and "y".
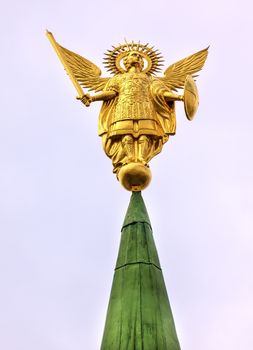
{"x": 134, "y": 177}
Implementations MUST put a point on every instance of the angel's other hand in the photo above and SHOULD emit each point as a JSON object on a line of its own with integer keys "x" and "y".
{"x": 85, "y": 99}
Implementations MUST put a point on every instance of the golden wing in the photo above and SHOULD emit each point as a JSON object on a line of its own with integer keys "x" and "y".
{"x": 81, "y": 71}
{"x": 176, "y": 74}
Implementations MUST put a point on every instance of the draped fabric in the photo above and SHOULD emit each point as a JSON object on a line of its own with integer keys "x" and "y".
{"x": 164, "y": 112}
{"x": 131, "y": 115}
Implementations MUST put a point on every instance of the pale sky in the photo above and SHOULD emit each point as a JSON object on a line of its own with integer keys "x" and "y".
{"x": 61, "y": 209}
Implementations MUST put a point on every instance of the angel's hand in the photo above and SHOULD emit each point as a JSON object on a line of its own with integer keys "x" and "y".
{"x": 86, "y": 99}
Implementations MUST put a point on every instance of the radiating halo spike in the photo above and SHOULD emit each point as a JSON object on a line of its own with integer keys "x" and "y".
{"x": 127, "y": 44}
{"x": 114, "y": 56}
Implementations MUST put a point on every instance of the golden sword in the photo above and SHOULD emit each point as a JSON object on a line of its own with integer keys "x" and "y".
{"x": 61, "y": 57}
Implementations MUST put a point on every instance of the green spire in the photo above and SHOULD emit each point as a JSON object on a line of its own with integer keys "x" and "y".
{"x": 139, "y": 316}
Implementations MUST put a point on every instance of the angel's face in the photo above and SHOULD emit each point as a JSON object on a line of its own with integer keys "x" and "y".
{"x": 133, "y": 59}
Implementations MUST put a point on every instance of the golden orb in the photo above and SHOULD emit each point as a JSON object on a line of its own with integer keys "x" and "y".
{"x": 134, "y": 177}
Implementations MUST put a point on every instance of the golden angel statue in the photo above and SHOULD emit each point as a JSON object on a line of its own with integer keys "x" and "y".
{"x": 138, "y": 111}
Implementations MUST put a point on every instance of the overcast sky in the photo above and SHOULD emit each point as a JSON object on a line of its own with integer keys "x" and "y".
{"x": 61, "y": 209}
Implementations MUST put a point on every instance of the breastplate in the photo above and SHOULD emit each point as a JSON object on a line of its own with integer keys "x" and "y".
{"x": 134, "y": 101}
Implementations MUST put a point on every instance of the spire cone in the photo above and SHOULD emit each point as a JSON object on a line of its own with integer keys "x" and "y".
{"x": 139, "y": 316}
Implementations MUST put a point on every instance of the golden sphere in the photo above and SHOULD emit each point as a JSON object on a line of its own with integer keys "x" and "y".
{"x": 134, "y": 177}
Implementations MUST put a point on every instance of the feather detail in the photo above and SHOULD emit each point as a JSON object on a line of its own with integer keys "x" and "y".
{"x": 86, "y": 73}
{"x": 175, "y": 75}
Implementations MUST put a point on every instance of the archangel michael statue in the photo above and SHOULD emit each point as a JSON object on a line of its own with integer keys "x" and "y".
{"x": 138, "y": 110}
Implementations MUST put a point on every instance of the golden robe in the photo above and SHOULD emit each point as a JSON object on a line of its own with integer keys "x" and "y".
{"x": 138, "y": 109}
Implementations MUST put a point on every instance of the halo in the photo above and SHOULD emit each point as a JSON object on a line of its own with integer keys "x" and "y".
{"x": 114, "y": 57}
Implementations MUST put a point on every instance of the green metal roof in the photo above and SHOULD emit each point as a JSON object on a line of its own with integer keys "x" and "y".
{"x": 139, "y": 316}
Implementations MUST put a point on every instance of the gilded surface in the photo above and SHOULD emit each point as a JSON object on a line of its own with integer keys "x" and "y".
{"x": 138, "y": 111}
{"x": 134, "y": 101}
